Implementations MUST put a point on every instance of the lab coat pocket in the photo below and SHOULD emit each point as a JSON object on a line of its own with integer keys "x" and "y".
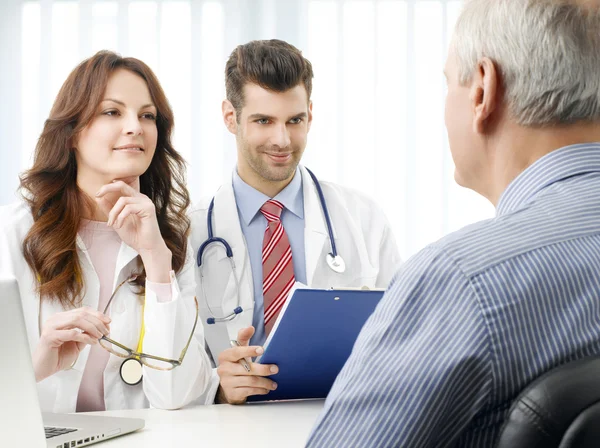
{"x": 359, "y": 271}
{"x": 366, "y": 282}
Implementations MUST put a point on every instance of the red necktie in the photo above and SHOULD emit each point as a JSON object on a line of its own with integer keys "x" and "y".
{"x": 278, "y": 267}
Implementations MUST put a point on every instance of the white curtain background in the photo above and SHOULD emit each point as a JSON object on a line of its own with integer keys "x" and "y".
{"x": 378, "y": 90}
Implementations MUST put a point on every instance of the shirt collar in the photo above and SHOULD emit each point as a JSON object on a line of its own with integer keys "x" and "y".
{"x": 558, "y": 165}
{"x": 249, "y": 200}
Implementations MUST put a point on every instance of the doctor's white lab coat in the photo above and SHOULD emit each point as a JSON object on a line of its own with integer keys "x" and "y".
{"x": 362, "y": 235}
{"x": 168, "y": 326}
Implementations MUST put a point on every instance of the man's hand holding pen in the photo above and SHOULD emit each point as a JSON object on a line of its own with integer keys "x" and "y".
{"x": 239, "y": 381}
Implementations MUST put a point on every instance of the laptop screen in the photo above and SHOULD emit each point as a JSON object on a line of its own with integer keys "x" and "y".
{"x": 20, "y": 415}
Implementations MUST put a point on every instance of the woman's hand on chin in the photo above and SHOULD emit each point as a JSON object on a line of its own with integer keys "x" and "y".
{"x": 133, "y": 216}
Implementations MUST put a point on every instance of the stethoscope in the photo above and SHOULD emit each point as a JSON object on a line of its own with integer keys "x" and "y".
{"x": 334, "y": 260}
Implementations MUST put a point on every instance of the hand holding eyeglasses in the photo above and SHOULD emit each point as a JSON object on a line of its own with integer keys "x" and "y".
{"x": 63, "y": 336}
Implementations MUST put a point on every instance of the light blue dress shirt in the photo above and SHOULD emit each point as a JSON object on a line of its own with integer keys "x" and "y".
{"x": 253, "y": 223}
{"x": 471, "y": 320}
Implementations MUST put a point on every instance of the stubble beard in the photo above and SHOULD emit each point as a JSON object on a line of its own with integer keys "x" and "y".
{"x": 256, "y": 162}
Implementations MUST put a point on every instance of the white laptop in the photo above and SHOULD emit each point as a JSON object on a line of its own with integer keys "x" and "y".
{"x": 21, "y": 421}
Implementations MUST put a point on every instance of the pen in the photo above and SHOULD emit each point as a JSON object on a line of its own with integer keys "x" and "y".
{"x": 242, "y": 361}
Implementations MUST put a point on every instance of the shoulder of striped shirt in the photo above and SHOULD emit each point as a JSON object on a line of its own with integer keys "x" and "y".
{"x": 482, "y": 245}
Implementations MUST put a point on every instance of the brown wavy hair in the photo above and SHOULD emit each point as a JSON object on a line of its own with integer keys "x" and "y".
{"x": 57, "y": 204}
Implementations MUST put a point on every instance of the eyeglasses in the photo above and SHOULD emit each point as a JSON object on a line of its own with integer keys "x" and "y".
{"x": 154, "y": 362}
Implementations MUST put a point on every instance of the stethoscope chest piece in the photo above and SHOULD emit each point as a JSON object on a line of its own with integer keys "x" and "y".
{"x": 336, "y": 263}
{"x": 131, "y": 371}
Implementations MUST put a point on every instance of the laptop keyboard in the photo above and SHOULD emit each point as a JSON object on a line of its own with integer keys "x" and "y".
{"x": 53, "y": 431}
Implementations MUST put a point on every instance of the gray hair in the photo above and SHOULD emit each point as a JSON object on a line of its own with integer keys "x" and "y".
{"x": 547, "y": 53}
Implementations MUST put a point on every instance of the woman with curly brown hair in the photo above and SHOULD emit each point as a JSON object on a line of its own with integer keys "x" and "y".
{"x": 99, "y": 248}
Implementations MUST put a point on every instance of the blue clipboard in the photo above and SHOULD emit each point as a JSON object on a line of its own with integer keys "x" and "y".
{"x": 314, "y": 338}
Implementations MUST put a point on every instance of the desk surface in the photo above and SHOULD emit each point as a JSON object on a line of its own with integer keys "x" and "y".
{"x": 261, "y": 425}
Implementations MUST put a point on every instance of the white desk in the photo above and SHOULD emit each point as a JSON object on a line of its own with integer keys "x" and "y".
{"x": 264, "y": 425}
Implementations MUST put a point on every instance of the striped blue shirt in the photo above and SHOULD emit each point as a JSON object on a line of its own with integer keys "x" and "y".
{"x": 470, "y": 320}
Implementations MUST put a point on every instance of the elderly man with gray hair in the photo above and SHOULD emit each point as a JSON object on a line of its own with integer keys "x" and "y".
{"x": 472, "y": 319}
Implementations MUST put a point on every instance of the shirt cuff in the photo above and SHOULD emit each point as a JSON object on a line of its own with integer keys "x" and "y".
{"x": 163, "y": 291}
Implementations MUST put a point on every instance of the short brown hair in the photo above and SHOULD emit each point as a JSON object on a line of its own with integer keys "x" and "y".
{"x": 272, "y": 64}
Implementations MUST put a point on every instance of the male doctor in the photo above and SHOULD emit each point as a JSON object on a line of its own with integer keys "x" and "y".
{"x": 272, "y": 218}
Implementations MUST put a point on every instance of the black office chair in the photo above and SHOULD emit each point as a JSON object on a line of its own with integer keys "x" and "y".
{"x": 559, "y": 409}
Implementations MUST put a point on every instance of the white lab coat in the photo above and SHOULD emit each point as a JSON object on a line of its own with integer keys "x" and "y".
{"x": 168, "y": 326}
{"x": 362, "y": 235}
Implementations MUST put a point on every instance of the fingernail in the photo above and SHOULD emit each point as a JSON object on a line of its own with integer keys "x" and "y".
{"x": 274, "y": 369}
{"x": 98, "y": 194}
{"x": 259, "y": 350}
{"x": 274, "y": 386}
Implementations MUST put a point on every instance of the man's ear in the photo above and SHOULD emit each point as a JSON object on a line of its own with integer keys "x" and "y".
{"x": 309, "y": 120}
{"x": 229, "y": 116}
{"x": 484, "y": 94}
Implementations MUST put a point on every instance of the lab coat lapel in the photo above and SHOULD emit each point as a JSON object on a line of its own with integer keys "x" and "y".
{"x": 315, "y": 229}
{"x": 91, "y": 297}
{"x": 92, "y": 289}
{"x": 126, "y": 255}
{"x": 67, "y": 382}
{"x": 125, "y": 312}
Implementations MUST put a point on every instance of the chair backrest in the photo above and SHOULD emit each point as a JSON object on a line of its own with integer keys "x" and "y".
{"x": 559, "y": 409}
